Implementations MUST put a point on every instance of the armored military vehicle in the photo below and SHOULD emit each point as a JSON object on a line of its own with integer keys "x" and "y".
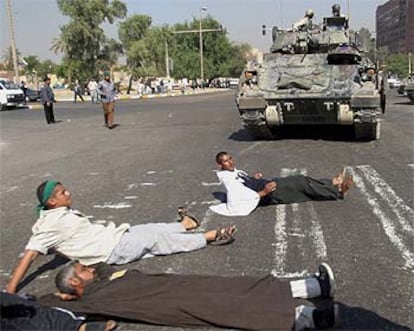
{"x": 312, "y": 75}
{"x": 409, "y": 88}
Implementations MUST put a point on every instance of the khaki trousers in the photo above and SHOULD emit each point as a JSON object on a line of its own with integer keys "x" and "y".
{"x": 108, "y": 109}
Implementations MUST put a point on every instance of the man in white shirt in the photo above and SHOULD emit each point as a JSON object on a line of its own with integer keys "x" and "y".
{"x": 93, "y": 90}
{"x": 74, "y": 235}
{"x": 244, "y": 193}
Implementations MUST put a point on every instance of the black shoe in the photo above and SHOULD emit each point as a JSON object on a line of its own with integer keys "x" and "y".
{"x": 111, "y": 127}
{"x": 326, "y": 280}
{"x": 325, "y": 318}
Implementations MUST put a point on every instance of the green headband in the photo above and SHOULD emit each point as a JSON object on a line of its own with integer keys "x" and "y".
{"x": 47, "y": 192}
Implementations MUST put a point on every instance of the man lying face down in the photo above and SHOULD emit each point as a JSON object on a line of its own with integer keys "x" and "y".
{"x": 250, "y": 303}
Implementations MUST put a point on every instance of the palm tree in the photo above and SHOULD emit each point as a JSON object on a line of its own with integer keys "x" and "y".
{"x": 59, "y": 45}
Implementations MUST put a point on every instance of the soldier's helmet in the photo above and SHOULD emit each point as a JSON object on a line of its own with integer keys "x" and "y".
{"x": 309, "y": 13}
{"x": 336, "y": 10}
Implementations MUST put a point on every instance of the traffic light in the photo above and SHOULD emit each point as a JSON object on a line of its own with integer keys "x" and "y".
{"x": 263, "y": 30}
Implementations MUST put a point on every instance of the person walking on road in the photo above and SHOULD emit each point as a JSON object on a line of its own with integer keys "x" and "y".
{"x": 245, "y": 193}
{"x": 72, "y": 234}
{"x": 106, "y": 90}
{"x": 48, "y": 98}
{"x": 77, "y": 92}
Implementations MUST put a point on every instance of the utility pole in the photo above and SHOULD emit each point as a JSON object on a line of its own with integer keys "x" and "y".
{"x": 167, "y": 62}
{"x": 200, "y": 31}
{"x": 201, "y": 45}
{"x": 12, "y": 41}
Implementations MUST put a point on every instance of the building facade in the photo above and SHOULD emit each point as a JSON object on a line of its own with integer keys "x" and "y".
{"x": 395, "y": 26}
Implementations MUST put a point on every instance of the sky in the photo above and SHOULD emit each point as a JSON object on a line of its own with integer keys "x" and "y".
{"x": 37, "y": 22}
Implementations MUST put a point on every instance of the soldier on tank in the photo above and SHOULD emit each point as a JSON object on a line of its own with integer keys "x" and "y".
{"x": 305, "y": 23}
{"x": 336, "y": 10}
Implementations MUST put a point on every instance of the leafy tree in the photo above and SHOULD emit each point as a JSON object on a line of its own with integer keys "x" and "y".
{"x": 221, "y": 57}
{"x": 33, "y": 64}
{"x": 132, "y": 32}
{"x": 397, "y": 64}
{"x": 46, "y": 67}
{"x": 8, "y": 58}
{"x": 83, "y": 40}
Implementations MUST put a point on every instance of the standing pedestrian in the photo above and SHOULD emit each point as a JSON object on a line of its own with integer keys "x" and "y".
{"x": 23, "y": 87}
{"x": 48, "y": 98}
{"x": 106, "y": 90}
{"x": 77, "y": 92}
{"x": 93, "y": 90}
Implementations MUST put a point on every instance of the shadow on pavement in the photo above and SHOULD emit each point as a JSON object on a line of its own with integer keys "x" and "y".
{"x": 408, "y": 103}
{"x": 221, "y": 196}
{"x": 314, "y": 132}
{"x": 57, "y": 261}
{"x": 357, "y": 318}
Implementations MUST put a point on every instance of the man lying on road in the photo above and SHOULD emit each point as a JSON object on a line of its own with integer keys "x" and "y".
{"x": 18, "y": 313}
{"x": 248, "y": 303}
{"x": 74, "y": 235}
{"x": 244, "y": 193}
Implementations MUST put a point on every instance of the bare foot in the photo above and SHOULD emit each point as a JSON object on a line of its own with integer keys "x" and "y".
{"x": 189, "y": 223}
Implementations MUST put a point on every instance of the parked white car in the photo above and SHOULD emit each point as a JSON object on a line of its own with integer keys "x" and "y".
{"x": 394, "y": 82}
{"x": 10, "y": 94}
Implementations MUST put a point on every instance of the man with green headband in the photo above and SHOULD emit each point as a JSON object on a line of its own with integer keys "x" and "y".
{"x": 74, "y": 235}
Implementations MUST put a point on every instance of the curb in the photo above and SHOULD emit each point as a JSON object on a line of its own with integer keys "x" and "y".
{"x": 136, "y": 97}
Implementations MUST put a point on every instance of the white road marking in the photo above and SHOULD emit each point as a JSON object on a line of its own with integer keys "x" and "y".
{"x": 211, "y": 202}
{"x": 386, "y": 222}
{"x": 405, "y": 214}
{"x": 281, "y": 242}
{"x": 12, "y": 188}
{"x": 301, "y": 274}
{"x": 316, "y": 229}
{"x": 148, "y": 184}
{"x": 93, "y": 173}
{"x": 317, "y": 235}
{"x": 210, "y": 184}
{"x": 131, "y": 186}
{"x": 282, "y": 233}
{"x": 112, "y": 205}
{"x": 151, "y": 172}
{"x": 411, "y": 165}
{"x": 131, "y": 197}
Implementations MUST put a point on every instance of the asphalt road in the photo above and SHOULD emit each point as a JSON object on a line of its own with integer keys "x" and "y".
{"x": 162, "y": 156}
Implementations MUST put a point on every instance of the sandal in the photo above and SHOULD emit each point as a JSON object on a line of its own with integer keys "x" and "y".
{"x": 224, "y": 236}
{"x": 182, "y": 212}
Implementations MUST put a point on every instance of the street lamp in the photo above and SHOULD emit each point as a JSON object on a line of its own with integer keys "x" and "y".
{"x": 201, "y": 45}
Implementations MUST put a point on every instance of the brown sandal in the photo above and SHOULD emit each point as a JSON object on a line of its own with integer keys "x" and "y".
{"x": 182, "y": 212}
{"x": 224, "y": 236}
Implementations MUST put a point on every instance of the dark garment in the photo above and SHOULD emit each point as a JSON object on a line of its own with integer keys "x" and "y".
{"x": 24, "y": 315}
{"x": 249, "y": 303}
{"x": 50, "y": 117}
{"x": 77, "y": 93}
{"x": 293, "y": 189}
{"x": 46, "y": 94}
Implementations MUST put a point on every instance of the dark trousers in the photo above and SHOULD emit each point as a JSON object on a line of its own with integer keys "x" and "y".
{"x": 76, "y": 95}
{"x": 50, "y": 117}
{"x": 300, "y": 188}
{"x": 25, "y": 315}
